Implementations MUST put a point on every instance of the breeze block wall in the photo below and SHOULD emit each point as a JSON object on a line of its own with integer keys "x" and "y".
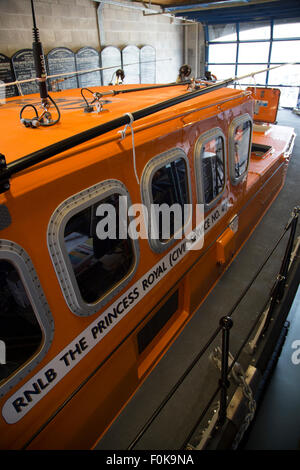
{"x": 74, "y": 24}
{"x": 122, "y": 26}
{"x": 69, "y": 23}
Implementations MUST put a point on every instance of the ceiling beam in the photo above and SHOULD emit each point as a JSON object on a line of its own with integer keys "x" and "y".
{"x": 216, "y": 5}
{"x": 145, "y": 9}
{"x": 132, "y": 5}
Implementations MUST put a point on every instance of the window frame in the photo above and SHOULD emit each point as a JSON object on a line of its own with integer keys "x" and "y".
{"x": 231, "y": 132}
{"x": 202, "y": 140}
{"x": 60, "y": 258}
{"x": 19, "y": 259}
{"x": 150, "y": 169}
{"x": 262, "y": 80}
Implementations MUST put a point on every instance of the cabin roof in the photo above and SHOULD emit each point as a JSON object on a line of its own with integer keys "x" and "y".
{"x": 18, "y": 141}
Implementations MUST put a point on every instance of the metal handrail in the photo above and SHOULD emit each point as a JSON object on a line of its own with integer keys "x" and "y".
{"x": 173, "y": 390}
{"x": 225, "y": 325}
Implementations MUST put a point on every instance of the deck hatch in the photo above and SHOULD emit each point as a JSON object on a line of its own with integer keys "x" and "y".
{"x": 260, "y": 150}
{"x": 157, "y": 322}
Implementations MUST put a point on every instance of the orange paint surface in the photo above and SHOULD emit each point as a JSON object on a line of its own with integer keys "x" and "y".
{"x": 80, "y": 408}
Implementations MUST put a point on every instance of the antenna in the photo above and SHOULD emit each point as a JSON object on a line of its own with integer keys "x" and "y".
{"x": 39, "y": 60}
{"x": 33, "y": 15}
{"x": 45, "y": 119}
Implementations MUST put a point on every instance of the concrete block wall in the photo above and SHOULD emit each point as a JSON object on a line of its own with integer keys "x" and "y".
{"x": 69, "y": 23}
{"x": 122, "y": 26}
{"x": 74, "y": 24}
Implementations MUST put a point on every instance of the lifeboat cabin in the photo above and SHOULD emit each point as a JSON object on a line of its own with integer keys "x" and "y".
{"x": 85, "y": 319}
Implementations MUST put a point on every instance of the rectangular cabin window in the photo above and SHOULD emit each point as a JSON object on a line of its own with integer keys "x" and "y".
{"x": 166, "y": 193}
{"x": 212, "y": 157}
{"x": 242, "y": 138}
{"x": 170, "y": 186}
{"x": 20, "y": 333}
{"x": 98, "y": 263}
{"x": 210, "y": 167}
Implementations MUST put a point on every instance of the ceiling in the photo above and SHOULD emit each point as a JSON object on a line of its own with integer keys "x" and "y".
{"x": 228, "y": 11}
{"x": 165, "y": 3}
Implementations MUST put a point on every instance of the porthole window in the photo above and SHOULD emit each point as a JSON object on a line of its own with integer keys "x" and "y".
{"x": 240, "y": 147}
{"x": 210, "y": 167}
{"x": 91, "y": 266}
{"x": 166, "y": 194}
{"x": 26, "y": 326}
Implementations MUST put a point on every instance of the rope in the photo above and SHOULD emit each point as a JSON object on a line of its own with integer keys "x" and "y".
{"x": 79, "y": 72}
{"x": 123, "y": 135}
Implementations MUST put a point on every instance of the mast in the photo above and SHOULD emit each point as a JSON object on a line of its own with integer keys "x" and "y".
{"x": 39, "y": 60}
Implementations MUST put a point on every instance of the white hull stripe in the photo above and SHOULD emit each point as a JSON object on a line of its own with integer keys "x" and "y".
{"x": 41, "y": 383}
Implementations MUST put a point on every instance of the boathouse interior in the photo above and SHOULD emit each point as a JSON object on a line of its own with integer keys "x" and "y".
{"x": 219, "y": 39}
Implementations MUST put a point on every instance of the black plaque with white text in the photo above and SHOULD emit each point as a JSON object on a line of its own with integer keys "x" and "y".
{"x": 24, "y": 68}
{"x": 7, "y": 76}
{"x": 61, "y": 61}
{"x": 87, "y": 58}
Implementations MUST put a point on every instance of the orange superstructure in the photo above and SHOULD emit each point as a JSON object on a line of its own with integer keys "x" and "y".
{"x": 92, "y": 347}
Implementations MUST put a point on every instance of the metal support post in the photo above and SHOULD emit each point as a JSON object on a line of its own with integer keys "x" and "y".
{"x": 226, "y": 323}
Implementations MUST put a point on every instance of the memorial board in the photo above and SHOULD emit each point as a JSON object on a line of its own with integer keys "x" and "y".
{"x": 24, "y": 68}
{"x": 110, "y": 62}
{"x": 7, "y": 76}
{"x": 87, "y": 58}
{"x": 148, "y": 64}
{"x": 61, "y": 60}
{"x": 131, "y": 64}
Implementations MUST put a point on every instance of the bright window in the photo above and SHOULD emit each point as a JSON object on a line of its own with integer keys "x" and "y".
{"x": 241, "y": 48}
{"x": 246, "y": 69}
{"x": 289, "y": 75}
{"x": 224, "y": 53}
{"x": 240, "y": 142}
{"x": 286, "y": 51}
{"x": 254, "y": 31}
{"x": 254, "y": 52}
{"x": 223, "y": 71}
{"x": 286, "y": 29}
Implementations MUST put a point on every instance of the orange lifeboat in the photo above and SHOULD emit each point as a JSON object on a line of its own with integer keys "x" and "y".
{"x": 85, "y": 319}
